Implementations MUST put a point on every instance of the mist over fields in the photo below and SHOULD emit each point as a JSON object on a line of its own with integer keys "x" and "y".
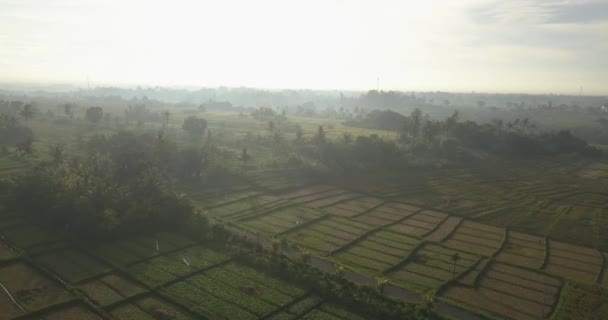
{"x": 303, "y": 160}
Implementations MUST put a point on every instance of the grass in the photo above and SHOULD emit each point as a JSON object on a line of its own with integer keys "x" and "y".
{"x": 579, "y": 301}
{"x": 30, "y": 288}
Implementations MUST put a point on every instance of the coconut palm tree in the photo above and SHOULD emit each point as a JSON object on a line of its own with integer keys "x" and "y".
{"x": 455, "y": 258}
{"x": 27, "y": 112}
{"x": 165, "y": 118}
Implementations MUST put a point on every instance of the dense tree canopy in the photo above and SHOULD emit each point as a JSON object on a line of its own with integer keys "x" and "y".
{"x": 116, "y": 187}
{"x": 194, "y": 126}
{"x": 94, "y": 114}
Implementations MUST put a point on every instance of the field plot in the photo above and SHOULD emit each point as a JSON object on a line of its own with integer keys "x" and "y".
{"x": 71, "y": 265}
{"x": 583, "y": 225}
{"x": 162, "y": 269}
{"x": 431, "y": 267}
{"x": 76, "y": 312}
{"x": 110, "y": 289}
{"x": 542, "y": 218}
{"x": 221, "y": 198}
{"x": 594, "y": 171}
{"x": 588, "y": 199}
{"x": 10, "y": 166}
{"x": 159, "y": 309}
{"x": 6, "y": 253}
{"x": 275, "y": 180}
{"x": 476, "y": 238}
{"x": 283, "y": 219}
{"x": 574, "y": 262}
{"x": 378, "y": 252}
{"x": 28, "y": 236}
{"x": 510, "y": 292}
{"x": 387, "y": 213}
{"x": 420, "y": 223}
{"x": 523, "y": 250}
{"x": 243, "y": 207}
{"x": 444, "y": 229}
{"x": 471, "y": 277}
{"x": 8, "y": 221}
{"x": 328, "y": 201}
{"x": 307, "y": 192}
{"x": 603, "y": 281}
{"x": 30, "y": 288}
{"x": 233, "y": 292}
{"x": 582, "y": 302}
{"x": 129, "y": 251}
{"x": 354, "y": 206}
{"x": 327, "y": 235}
{"x": 330, "y": 312}
{"x": 507, "y": 214}
{"x": 8, "y": 308}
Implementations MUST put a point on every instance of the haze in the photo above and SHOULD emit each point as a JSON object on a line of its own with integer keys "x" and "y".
{"x": 495, "y": 46}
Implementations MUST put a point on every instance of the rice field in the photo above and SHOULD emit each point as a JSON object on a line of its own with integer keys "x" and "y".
{"x": 514, "y": 244}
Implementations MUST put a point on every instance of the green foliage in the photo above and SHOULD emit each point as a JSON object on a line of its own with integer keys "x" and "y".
{"x": 194, "y": 126}
{"x": 115, "y": 188}
{"x": 377, "y": 119}
{"x": 94, "y": 114}
{"x": 12, "y": 132}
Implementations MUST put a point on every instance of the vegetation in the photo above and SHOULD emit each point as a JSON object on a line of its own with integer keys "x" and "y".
{"x": 115, "y": 187}
{"x": 360, "y": 214}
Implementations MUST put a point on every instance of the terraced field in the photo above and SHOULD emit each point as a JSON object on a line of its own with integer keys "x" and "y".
{"x": 510, "y": 292}
{"x": 498, "y": 248}
{"x": 416, "y": 250}
{"x": 161, "y": 276}
{"x": 10, "y": 166}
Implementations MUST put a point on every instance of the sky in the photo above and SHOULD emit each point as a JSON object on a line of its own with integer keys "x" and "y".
{"x": 530, "y": 46}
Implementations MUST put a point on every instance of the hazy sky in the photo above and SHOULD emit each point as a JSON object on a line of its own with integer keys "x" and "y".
{"x": 471, "y": 45}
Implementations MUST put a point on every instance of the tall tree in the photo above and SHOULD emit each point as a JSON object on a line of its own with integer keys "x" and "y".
{"x": 320, "y": 138}
{"x": 68, "y": 109}
{"x": 300, "y": 132}
{"x": 194, "y": 126}
{"x": 94, "y": 114}
{"x": 245, "y": 157}
{"x": 165, "y": 118}
{"x": 416, "y": 117}
{"x": 27, "y": 112}
{"x": 57, "y": 152}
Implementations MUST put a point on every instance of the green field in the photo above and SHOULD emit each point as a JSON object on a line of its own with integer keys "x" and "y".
{"x": 518, "y": 239}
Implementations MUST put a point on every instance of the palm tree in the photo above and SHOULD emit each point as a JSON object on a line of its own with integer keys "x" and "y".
{"x": 57, "y": 152}
{"x": 27, "y": 112}
{"x": 245, "y": 157}
{"x": 165, "y": 117}
{"x": 68, "y": 109}
{"x": 455, "y": 258}
{"x": 381, "y": 285}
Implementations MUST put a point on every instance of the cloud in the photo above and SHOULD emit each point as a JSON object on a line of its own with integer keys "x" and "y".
{"x": 539, "y": 12}
{"x": 578, "y": 12}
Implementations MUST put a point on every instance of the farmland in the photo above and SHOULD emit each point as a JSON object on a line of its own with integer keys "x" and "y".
{"x": 158, "y": 276}
{"x": 496, "y": 239}
{"x": 498, "y": 271}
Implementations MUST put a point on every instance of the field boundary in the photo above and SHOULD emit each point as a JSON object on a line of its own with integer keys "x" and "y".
{"x": 502, "y": 246}
{"x": 370, "y": 232}
{"x": 303, "y": 225}
{"x": 294, "y": 301}
{"x": 546, "y": 259}
{"x": 449, "y": 235}
{"x": 602, "y": 272}
{"x": 405, "y": 260}
{"x": 265, "y": 211}
{"x": 370, "y": 209}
